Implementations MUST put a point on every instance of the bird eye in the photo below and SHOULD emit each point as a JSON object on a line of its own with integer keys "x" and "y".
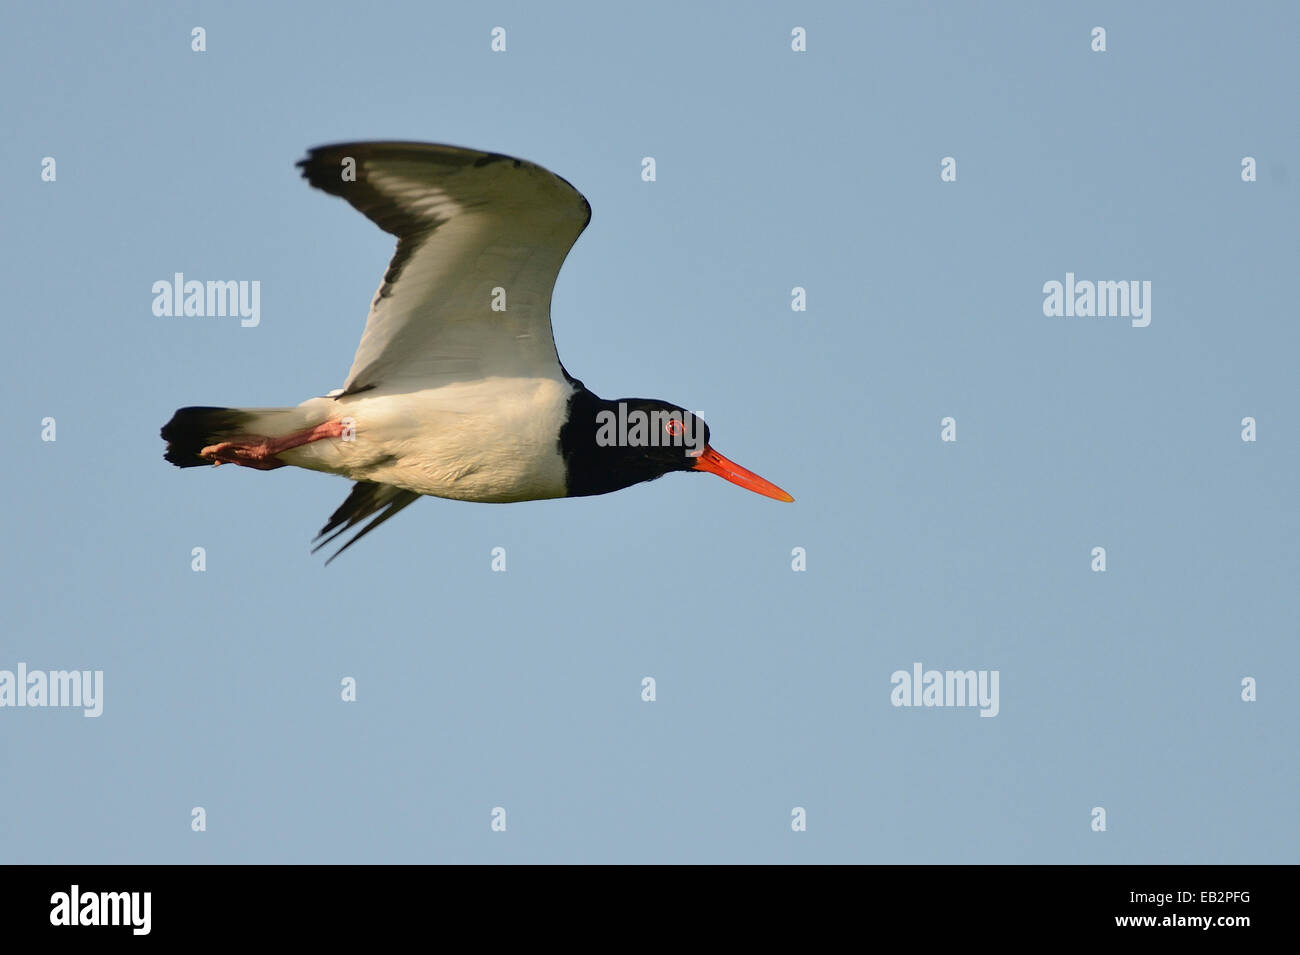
{"x": 673, "y": 427}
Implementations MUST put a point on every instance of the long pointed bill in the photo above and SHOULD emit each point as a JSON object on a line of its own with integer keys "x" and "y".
{"x": 715, "y": 463}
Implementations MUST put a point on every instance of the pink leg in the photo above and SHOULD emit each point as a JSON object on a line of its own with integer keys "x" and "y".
{"x": 254, "y": 452}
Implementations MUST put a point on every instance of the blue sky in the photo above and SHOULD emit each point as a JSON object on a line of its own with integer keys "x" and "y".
{"x": 522, "y": 689}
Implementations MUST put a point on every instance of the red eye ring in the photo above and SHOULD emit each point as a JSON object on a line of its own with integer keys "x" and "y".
{"x": 674, "y": 427}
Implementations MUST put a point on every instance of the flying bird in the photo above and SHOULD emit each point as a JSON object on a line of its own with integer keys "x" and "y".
{"x": 456, "y": 389}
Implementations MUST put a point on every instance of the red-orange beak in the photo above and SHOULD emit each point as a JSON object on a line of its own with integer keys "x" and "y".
{"x": 711, "y": 461}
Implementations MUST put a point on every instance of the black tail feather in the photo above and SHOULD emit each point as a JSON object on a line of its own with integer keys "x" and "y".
{"x": 193, "y": 429}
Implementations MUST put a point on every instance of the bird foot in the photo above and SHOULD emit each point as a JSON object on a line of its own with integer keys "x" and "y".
{"x": 260, "y": 453}
{"x": 249, "y": 454}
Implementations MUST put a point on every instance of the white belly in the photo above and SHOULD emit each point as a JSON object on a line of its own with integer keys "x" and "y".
{"x": 494, "y": 440}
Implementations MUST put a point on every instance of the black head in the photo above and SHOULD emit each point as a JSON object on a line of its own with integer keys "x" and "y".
{"x": 610, "y": 445}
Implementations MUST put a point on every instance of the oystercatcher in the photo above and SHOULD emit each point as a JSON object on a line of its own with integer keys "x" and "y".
{"x": 456, "y": 389}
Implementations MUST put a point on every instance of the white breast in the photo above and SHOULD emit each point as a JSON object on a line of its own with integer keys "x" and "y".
{"x": 493, "y": 440}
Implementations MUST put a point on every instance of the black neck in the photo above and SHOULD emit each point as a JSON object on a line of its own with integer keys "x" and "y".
{"x": 589, "y": 467}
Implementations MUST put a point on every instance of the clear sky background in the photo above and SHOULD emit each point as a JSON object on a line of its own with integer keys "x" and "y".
{"x": 775, "y": 169}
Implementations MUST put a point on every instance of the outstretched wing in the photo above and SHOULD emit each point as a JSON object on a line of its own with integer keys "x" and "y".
{"x": 366, "y": 498}
{"x": 475, "y": 231}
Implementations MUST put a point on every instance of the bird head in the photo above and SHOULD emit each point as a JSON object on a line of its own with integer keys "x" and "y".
{"x": 639, "y": 439}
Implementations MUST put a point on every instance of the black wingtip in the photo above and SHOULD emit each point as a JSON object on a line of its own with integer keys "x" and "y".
{"x": 365, "y": 499}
